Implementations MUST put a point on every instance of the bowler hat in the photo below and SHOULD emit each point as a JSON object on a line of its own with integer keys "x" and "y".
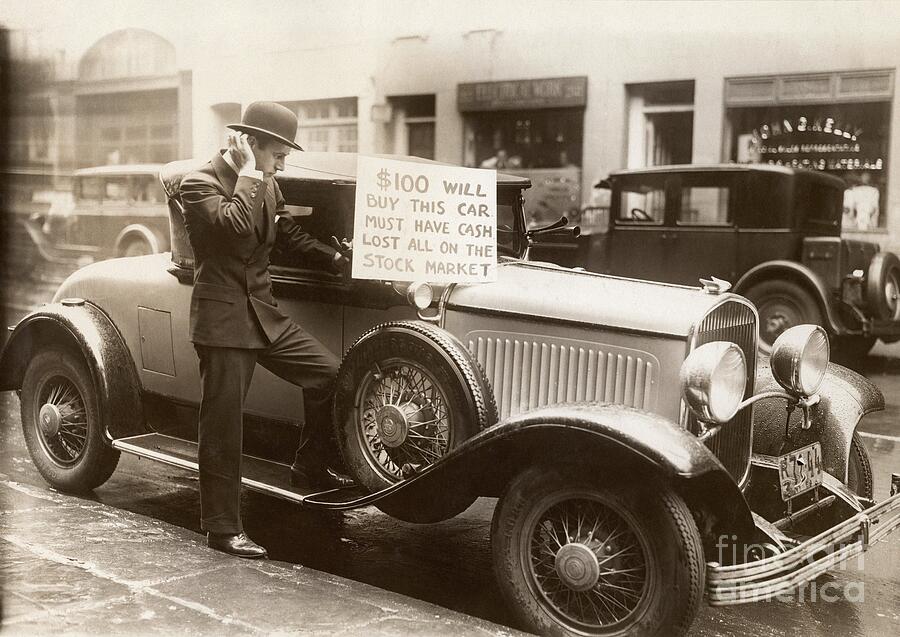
{"x": 272, "y": 119}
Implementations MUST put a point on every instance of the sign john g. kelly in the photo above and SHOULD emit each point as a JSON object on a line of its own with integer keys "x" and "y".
{"x": 424, "y": 222}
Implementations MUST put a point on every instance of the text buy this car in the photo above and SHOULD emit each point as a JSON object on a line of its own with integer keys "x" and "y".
{"x": 639, "y": 449}
{"x": 774, "y": 232}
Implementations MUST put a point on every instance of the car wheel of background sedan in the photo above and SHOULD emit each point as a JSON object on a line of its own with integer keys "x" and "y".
{"x": 61, "y": 422}
{"x": 407, "y": 393}
{"x": 573, "y": 557}
{"x": 859, "y": 469}
{"x": 781, "y": 304}
{"x": 883, "y": 286}
{"x": 136, "y": 247}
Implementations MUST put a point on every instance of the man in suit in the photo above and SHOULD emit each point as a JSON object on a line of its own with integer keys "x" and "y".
{"x": 234, "y": 215}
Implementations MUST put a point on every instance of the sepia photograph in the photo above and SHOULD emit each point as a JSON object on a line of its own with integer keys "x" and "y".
{"x": 416, "y": 317}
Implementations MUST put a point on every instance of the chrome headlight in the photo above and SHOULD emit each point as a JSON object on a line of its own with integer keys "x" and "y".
{"x": 713, "y": 378}
{"x": 799, "y": 358}
{"x": 420, "y": 295}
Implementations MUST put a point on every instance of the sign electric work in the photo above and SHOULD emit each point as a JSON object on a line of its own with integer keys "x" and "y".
{"x": 424, "y": 222}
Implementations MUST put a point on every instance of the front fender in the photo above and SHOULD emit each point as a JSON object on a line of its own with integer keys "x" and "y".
{"x": 601, "y": 439}
{"x": 845, "y": 397}
{"x": 88, "y": 330}
{"x": 800, "y": 274}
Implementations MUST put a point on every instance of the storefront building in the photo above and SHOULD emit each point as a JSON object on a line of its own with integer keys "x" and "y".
{"x": 605, "y": 86}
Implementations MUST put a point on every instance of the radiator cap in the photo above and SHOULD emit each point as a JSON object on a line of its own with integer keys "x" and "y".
{"x": 714, "y": 285}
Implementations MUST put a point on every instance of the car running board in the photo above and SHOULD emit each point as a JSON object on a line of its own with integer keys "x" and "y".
{"x": 265, "y": 476}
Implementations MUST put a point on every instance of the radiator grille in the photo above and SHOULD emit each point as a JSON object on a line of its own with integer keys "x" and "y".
{"x": 527, "y": 373}
{"x": 735, "y": 322}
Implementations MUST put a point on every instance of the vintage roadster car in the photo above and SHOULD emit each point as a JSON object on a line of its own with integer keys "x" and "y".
{"x": 774, "y": 232}
{"x": 642, "y": 454}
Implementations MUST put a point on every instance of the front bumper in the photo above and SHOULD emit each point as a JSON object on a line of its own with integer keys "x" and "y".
{"x": 780, "y": 574}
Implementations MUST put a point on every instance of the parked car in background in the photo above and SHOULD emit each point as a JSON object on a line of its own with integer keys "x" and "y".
{"x": 773, "y": 232}
{"x": 112, "y": 211}
{"x": 637, "y": 445}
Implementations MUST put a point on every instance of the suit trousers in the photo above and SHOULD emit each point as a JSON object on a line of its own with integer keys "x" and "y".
{"x": 225, "y": 375}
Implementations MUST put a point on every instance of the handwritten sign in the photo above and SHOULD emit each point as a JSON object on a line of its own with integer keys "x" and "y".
{"x": 424, "y": 222}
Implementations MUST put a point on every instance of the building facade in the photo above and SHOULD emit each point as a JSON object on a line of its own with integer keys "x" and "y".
{"x": 562, "y": 92}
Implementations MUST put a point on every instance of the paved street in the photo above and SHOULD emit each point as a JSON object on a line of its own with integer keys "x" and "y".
{"x": 130, "y": 559}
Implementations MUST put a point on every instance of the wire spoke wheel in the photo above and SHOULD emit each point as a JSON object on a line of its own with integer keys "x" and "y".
{"x": 62, "y": 420}
{"x": 594, "y": 556}
{"x": 585, "y": 559}
{"x": 405, "y": 418}
{"x": 407, "y": 394}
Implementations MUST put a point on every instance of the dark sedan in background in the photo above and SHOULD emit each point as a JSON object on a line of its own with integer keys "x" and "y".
{"x": 774, "y": 232}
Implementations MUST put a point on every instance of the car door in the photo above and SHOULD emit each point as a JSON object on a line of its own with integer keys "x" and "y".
{"x": 700, "y": 236}
{"x": 636, "y": 243}
{"x": 330, "y": 306}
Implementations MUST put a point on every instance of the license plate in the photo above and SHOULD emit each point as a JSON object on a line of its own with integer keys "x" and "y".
{"x": 800, "y": 470}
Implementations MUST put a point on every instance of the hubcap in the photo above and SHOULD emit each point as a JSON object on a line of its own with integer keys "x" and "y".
{"x": 392, "y": 425}
{"x": 577, "y": 567}
{"x": 588, "y": 564}
{"x": 61, "y": 420}
{"x": 50, "y": 419}
{"x": 404, "y": 419}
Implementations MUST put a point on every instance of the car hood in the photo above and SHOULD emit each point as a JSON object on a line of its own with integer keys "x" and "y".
{"x": 547, "y": 291}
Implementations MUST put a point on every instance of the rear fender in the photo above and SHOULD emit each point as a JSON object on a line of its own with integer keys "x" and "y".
{"x": 84, "y": 328}
{"x": 845, "y": 397}
{"x": 600, "y": 439}
{"x": 799, "y": 274}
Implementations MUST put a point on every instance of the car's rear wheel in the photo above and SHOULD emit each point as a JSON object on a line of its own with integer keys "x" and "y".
{"x": 407, "y": 394}
{"x": 575, "y": 556}
{"x": 781, "y": 305}
{"x": 61, "y": 422}
{"x": 859, "y": 469}
{"x": 135, "y": 247}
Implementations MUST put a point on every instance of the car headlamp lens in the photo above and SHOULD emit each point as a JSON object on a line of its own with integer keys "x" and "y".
{"x": 713, "y": 379}
{"x": 420, "y": 295}
{"x": 799, "y": 358}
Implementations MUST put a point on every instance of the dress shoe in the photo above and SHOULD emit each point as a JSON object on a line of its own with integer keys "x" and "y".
{"x": 321, "y": 477}
{"x": 235, "y": 544}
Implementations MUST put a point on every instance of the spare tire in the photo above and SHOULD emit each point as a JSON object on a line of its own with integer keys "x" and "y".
{"x": 406, "y": 394}
{"x": 883, "y": 286}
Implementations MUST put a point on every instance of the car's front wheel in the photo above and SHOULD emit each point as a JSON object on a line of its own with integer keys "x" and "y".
{"x": 781, "y": 305}
{"x": 577, "y": 556}
{"x": 61, "y": 422}
{"x": 407, "y": 394}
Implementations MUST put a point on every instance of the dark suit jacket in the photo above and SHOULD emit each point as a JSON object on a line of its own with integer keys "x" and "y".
{"x": 230, "y": 222}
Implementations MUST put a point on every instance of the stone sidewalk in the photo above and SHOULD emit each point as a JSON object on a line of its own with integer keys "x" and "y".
{"x": 76, "y": 567}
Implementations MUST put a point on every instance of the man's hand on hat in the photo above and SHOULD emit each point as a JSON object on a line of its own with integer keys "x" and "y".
{"x": 241, "y": 152}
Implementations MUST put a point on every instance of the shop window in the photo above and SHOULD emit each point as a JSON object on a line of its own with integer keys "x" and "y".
{"x": 533, "y": 128}
{"x": 544, "y": 145}
{"x": 327, "y": 125}
{"x": 129, "y": 127}
{"x": 546, "y": 138}
{"x": 848, "y": 140}
{"x": 660, "y": 123}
